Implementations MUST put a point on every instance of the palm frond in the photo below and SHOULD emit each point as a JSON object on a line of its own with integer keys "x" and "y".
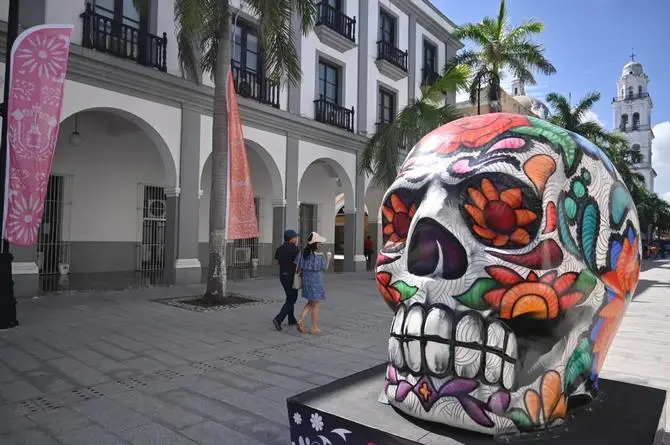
{"x": 525, "y": 30}
{"x": 275, "y": 30}
{"x": 472, "y": 31}
{"x": 585, "y": 104}
{"x": 502, "y": 20}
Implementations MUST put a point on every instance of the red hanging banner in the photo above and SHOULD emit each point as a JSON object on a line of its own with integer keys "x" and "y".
{"x": 38, "y": 66}
{"x": 242, "y": 222}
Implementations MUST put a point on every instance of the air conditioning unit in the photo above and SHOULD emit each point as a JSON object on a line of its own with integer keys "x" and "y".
{"x": 156, "y": 208}
{"x": 242, "y": 255}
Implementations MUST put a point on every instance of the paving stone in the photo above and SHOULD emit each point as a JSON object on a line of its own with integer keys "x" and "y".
{"x": 8, "y": 425}
{"x": 110, "y": 414}
{"x": 40, "y": 350}
{"x": 59, "y": 421}
{"x": 154, "y": 434}
{"x": 96, "y": 360}
{"x": 111, "y": 350}
{"x": 28, "y": 437}
{"x": 211, "y": 433}
{"x": 126, "y": 343}
{"x": 78, "y": 371}
{"x": 144, "y": 364}
{"x": 6, "y": 374}
{"x": 18, "y": 360}
{"x": 153, "y": 407}
{"x": 165, "y": 358}
{"x": 19, "y": 390}
{"x": 47, "y": 381}
{"x": 91, "y": 435}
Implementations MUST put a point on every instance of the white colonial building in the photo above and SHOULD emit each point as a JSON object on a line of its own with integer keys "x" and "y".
{"x": 632, "y": 116}
{"x": 129, "y": 193}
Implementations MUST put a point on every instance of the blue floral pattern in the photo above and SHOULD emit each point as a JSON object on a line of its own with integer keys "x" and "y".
{"x": 312, "y": 276}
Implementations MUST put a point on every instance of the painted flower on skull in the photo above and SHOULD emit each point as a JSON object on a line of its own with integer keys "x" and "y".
{"x": 621, "y": 281}
{"x": 396, "y": 292}
{"x": 397, "y": 217}
{"x": 541, "y": 298}
{"x": 498, "y": 216}
{"x": 545, "y": 407}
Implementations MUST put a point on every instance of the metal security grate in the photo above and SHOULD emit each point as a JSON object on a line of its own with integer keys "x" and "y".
{"x": 152, "y": 218}
{"x": 53, "y": 243}
{"x": 246, "y": 257}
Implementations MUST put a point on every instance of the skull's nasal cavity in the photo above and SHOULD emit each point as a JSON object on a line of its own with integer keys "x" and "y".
{"x": 431, "y": 242}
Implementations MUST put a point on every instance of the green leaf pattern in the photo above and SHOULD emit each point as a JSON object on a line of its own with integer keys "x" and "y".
{"x": 520, "y": 419}
{"x": 579, "y": 363}
{"x": 406, "y": 291}
{"x": 474, "y": 297}
{"x": 557, "y": 136}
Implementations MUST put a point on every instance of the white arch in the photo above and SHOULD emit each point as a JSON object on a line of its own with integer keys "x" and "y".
{"x": 340, "y": 203}
{"x": 341, "y": 173}
{"x": 268, "y": 162}
{"x": 169, "y": 166}
{"x": 160, "y": 122}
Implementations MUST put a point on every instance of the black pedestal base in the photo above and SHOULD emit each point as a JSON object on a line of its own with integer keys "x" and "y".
{"x": 347, "y": 412}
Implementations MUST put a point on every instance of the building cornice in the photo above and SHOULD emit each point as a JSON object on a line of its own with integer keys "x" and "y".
{"x": 126, "y": 77}
{"x": 429, "y": 23}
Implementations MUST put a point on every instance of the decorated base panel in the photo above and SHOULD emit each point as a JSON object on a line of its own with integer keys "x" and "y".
{"x": 348, "y": 411}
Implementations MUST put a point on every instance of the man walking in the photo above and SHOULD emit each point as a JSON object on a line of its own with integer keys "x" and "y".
{"x": 368, "y": 252}
{"x": 285, "y": 256}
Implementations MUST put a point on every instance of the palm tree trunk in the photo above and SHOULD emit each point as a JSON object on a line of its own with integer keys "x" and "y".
{"x": 216, "y": 279}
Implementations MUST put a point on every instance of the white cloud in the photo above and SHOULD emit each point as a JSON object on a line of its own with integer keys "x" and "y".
{"x": 661, "y": 158}
{"x": 590, "y": 116}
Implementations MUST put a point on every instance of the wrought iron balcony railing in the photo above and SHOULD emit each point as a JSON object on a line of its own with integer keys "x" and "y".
{"x": 337, "y": 21}
{"x": 628, "y": 97}
{"x": 128, "y": 41}
{"x": 387, "y": 51}
{"x": 254, "y": 85}
{"x": 333, "y": 114}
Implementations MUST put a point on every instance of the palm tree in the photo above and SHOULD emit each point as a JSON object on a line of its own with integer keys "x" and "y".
{"x": 381, "y": 156}
{"x": 614, "y": 144}
{"x": 204, "y": 43}
{"x": 501, "y": 47}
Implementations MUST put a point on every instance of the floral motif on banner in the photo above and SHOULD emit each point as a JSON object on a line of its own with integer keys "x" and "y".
{"x": 39, "y": 64}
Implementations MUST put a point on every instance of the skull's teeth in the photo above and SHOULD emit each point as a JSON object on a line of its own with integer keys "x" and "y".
{"x": 436, "y": 342}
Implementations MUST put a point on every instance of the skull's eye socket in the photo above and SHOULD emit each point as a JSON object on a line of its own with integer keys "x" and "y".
{"x": 398, "y": 210}
{"x": 501, "y": 211}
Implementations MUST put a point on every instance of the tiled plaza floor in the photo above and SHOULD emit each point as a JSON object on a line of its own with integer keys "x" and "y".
{"x": 118, "y": 368}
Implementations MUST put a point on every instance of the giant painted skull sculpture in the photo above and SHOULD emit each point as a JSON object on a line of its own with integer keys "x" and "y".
{"x": 511, "y": 250}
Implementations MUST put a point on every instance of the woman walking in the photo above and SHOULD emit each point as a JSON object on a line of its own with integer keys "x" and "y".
{"x": 311, "y": 264}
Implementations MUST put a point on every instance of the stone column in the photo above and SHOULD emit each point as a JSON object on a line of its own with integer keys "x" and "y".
{"x": 354, "y": 230}
{"x": 363, "y": 63}
{"x": 411, "y": 92}
{"x": 186, "y": 266}
{"x": 292, "y": 184}
{"x": 278, "y": 223}
{"x": 171, "y": 232}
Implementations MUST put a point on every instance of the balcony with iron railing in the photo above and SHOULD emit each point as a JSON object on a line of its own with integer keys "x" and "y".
{"x": 391, "y": 61}
{"x": 128, "y": 39}
{"x": 253, "y": 85}
{"x": 629, "y": 97}
{"x": 330, "y": 113}
{"x": 334, "y": 28}
{"x": 629, "y": 128}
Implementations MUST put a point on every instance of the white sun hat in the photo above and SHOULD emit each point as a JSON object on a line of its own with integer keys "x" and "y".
{"x": 315, "y": 238}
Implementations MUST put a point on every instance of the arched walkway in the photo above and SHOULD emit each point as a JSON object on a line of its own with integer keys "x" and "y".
{"x": 106, "y": 207}
{"x": 268, "y": 189}
{"x": 322, "y": 181}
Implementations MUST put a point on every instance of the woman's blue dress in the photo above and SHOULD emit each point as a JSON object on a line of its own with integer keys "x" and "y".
{"x": 312, "y": 276}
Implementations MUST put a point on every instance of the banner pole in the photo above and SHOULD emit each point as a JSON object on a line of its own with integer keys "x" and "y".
{"x": 7, "y": 299}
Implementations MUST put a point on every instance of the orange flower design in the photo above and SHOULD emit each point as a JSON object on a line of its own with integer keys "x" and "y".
{"x": 542, "y": 298}
{"x": 550, "y": 404}
{"x": 396, "y": 219}
{"x": 390, "y": 294}
{"x": 498, "y": 217}
{"x": 476, "y": 131}
{"x": 621, "y": 282}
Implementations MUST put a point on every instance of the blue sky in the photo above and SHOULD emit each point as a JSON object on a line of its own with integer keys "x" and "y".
{"x": 589, "y": 42}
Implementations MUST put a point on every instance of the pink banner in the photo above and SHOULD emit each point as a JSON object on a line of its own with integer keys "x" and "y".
{"x": 242, "y": 222}
{"x": 38, "y": 66}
